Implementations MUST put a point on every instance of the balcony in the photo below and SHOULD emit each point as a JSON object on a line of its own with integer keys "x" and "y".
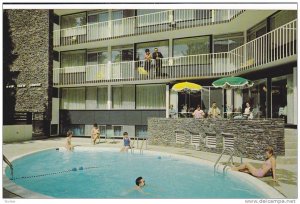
{"x": 141, "y": 25}
{"x": 277, "y": 45}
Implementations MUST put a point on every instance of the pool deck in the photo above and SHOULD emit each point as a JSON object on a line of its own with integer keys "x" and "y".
{"x": 287, "y": 173}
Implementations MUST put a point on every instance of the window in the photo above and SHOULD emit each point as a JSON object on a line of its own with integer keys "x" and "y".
{"x": 281, "y": 18}
{"x": 123, "y": 97}
{"x": 141, "y": 131}
{"x": 73, "y": 58}
{"x": 257, "y": 31}
{"x": 227, "y": 42}
{"x": 97, "y": 17}
{"x": 163, "y": 47}
{"x": 151, "y": 96}
{"x": 102, "y": 129}
{"x": 117, "y": 130}
{"x": 78, "y": 130}
{"x": 279, "y": 97}
{"x": 97, "y": 57}
{"x": 102, "y": 98}
{"x": 91, "y": 98}
{"x": 73, "y": 98}
{"x": 191, "y": 46}
{"x": 74, "y": 20}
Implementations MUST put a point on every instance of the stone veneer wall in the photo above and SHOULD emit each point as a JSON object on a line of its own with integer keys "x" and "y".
{"x": 31, "y": 38}
{"x": 251, "y": 137}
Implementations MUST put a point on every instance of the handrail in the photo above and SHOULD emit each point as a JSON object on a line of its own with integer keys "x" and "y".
{"x": 231, "y": 158}
{"x": 224, "y": 150}
{"x": 264, "y": 35}
{"x": 257, "y": 52}
{"x": 232, "y": 152}
{"x": 125, "y": 26}
{"x": 132, "y": 145}
{"x": 141, "y": 148}
{"x": 10, "y": 166}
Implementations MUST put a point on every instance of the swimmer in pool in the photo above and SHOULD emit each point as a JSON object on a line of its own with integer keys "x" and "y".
{"x": 268, "y": 166}
{"x": 139, "y": 184}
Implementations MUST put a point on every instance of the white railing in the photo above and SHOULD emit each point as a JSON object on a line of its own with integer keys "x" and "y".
{"x": 275, "y": 45}
{"x": 140, "y": 25}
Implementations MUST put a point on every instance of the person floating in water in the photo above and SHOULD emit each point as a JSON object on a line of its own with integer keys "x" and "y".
{"x": 69, "y": 145}
{"x": 268, "y": 166}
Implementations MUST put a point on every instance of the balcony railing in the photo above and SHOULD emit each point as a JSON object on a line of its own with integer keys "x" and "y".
{"x": 273, "y": 46}
{"x": 143, "y": 24}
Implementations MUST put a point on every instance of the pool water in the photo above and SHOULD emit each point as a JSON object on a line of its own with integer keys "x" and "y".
{"x": 107, "y": 173}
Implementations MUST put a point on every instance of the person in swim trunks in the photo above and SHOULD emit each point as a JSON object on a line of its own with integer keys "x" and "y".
{"x": 268, "y": 166}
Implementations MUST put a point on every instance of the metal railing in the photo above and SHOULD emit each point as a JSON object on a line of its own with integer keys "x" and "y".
{"x": 10, "y": 166}
{"x": 231, "y": 152}
{"x": 141, "y": 25}
{"x": 275, "y": 45}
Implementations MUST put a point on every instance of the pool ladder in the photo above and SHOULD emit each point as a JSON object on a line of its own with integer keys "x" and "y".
{"x": 141, "y": 147}
{"x": 10, "y": 166}
{"x": 231, "y": 154}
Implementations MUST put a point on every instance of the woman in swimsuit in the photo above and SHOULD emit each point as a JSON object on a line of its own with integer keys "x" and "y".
{"x": 267, "y": 166}
{"x": 69, "y": 145}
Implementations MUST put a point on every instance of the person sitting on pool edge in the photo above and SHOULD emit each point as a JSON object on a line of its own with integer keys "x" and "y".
{"x": 267, "y": 166}
{"x": 126, "y": 140}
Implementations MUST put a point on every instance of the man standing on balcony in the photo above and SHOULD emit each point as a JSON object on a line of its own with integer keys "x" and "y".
{"x": 157, "y": 56}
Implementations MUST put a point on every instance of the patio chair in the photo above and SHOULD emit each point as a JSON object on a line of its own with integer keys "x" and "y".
{"x": 179, "y": 137}
{"x": 196, "y": 140}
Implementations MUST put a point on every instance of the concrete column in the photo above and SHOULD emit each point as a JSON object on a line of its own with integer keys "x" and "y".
{"x": 238, "y": 99}
{"x": 295, "y": 91}
{"x": 245, "y": 50}
{"x": 292, "y": 105}
{"x": 167, "y": 100}
{"x": 229, "y": 101}
{"x": 269, "y": 97}
{"x": 174, "y": 100}
{"x": 109, "y": 97}
{"x": 290, "y": 99}
{"x": 170, "y": 47}
{"x": 109, "y": 69}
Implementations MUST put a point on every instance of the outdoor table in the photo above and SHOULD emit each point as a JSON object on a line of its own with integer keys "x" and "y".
{"x": 231, "y": 114}
{"x": 185, "y": 114}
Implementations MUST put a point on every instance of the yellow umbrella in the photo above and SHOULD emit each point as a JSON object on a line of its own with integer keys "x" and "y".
{"x": 186, "y": 87}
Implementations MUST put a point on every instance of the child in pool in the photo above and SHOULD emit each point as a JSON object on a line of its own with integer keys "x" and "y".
{"x": 126, "y": 140}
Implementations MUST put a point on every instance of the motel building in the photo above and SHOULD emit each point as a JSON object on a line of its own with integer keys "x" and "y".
{"x": 97, "y": 72}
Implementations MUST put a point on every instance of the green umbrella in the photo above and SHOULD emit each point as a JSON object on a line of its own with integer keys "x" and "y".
{"x": 232, "y": 83}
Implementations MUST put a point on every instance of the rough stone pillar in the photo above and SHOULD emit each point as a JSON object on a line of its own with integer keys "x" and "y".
{"x": 30, "y": 35}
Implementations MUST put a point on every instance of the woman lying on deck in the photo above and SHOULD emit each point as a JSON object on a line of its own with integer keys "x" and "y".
{"x": 268, "y": 166}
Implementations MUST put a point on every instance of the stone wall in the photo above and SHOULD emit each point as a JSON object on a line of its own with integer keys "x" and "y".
{"x": 30, "y": 42}
{"x": 251, "y": 137}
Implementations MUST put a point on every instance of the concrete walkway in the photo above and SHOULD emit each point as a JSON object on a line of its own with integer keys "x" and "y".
{"x": 286, "y": 173}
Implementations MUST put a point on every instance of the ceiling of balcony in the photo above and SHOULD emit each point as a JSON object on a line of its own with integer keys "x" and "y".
{"x": 67, "y": 11}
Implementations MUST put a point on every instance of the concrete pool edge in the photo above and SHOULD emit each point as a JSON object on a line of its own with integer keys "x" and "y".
{"x": 267, "y": 190}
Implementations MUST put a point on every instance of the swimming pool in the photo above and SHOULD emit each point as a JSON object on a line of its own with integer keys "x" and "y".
{"x": 107, "y": 173}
